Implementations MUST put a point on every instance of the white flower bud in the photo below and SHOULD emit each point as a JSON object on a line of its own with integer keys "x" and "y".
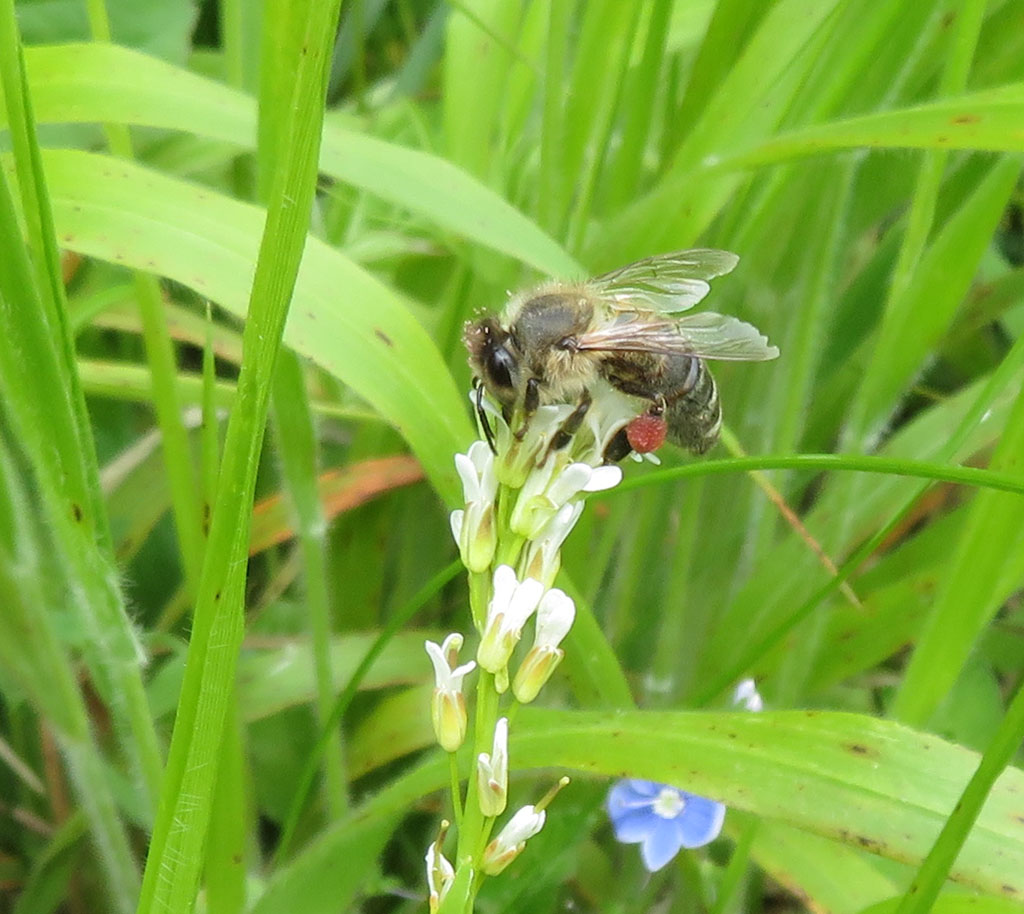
{"x": 543, "y": 557}
{"x": 512, "y": 839}
{"x": 555, "y": 616}
{"x": 492, "y": 773}
{"x": 448, "y": 704}
{"x": 511, "y": 605}
{"x": 474, "y": 526}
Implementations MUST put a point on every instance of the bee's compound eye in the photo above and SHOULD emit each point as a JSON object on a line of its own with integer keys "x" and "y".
{"x": 500, "y": 364}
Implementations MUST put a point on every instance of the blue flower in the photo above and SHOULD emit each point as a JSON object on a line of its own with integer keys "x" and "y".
{"x": 662, "y": 819}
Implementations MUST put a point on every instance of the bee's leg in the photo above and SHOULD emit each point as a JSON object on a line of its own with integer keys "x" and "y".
{"x": 481, "y": 414}
{"x": 571, "y": 424}
{"x": 618, "y": 447}
{"x": 531, "y": 401}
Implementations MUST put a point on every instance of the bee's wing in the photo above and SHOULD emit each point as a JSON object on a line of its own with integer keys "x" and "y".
{"x": 707, "y": 336}
{"x": 666, "y": 283}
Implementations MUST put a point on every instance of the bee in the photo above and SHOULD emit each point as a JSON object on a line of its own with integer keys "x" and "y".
{"x": 554, "y": 343}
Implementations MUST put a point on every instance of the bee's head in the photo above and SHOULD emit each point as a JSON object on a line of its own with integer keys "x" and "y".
{"x": 493, "y": 358}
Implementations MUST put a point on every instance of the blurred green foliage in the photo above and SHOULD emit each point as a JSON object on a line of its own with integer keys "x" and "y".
{"x": 863, "y": 159}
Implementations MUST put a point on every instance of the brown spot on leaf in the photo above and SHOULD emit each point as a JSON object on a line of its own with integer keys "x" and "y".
{"x": 383, "y": 337}
{"x": 860, "y": 749}
{"x": 966, "y": 119}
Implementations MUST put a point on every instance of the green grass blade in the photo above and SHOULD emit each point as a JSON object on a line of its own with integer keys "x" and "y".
{"x": 367, "y": 338}
{"x": 747, "y": 106}
{"x": 638, "y": 102}
{"x": 861, "y": 783}
{"x": 904, "y": 313}
{"x": 552, "y": 202}
{"x": 43, "y": 414}
{"x": 79, "y": 83}
{"x": 31, "y": 653}
{"x": 971, "y": 591}
{"x": 731, "y": 25}
{"x": 479, "y": 52}
{"x": 299, "y": 461}
{"x": 920, "y": 469}
{"x": 30, "y": 184}
{"x": 955, "y": 832}
{"x": 314, "y": 883}
{"x": 161, "y": 356}
{"x": 175, "y": 853}
{"x": 844, "y": 879}
{"x": 296, "y": 434}
{"x": 988, "y": 119}
{"x": 774, "y": 616}
{"x": 870, "y": 783}
{"x": 230, "y": 826}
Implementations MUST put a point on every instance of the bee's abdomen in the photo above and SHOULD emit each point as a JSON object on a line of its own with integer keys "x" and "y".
{"x": 695, "y": 419}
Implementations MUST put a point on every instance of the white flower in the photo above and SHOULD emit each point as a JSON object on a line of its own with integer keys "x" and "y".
{"x": 448, "y": 704}
{"x": 519, "y": 457}
{"x": 492, "y": 773}
{"x": 474, "y": 526}
{"x": 547, "y": 491}
{"x": 543, "y": 557}
{"x": 440, "y": 874}
{"x": 512, "y": 839}
{"x": 555, "y": 616}
{"x": 511, "y": 605}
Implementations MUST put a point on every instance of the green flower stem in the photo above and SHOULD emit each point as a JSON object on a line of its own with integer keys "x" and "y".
{"x": 485, "y": 836}
{"x": 453, "y": 771}
{"x": 510, "y": 551}
{"x": 479, "y": 596}
{"x": 474, "y": 827}
{"x": 510, "y": 545}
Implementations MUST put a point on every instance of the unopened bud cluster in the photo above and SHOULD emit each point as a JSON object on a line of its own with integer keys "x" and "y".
{"x": 520, "y": 502}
